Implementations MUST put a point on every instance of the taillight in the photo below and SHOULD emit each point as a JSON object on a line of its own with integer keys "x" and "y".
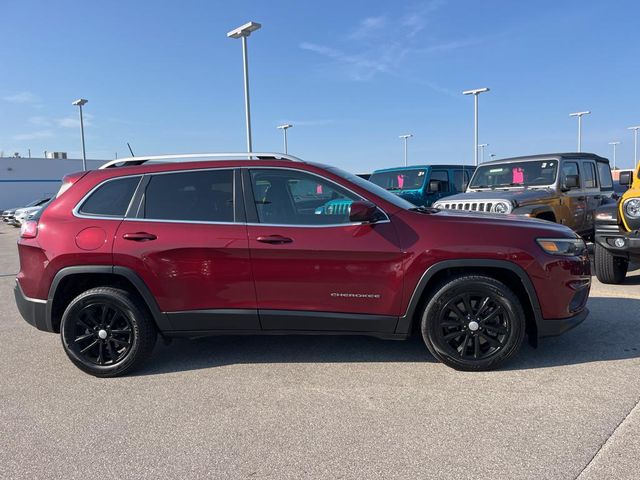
{"x": 29, "y": 229}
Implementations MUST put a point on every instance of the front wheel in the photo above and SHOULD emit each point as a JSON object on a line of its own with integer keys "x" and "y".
{"x": 473, "y": 323}
{"x": 609, "y": 268}
{"x": 106, "y": 332}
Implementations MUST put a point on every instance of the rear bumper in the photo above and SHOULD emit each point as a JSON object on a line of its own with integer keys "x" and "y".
{"x": 33, "y": 310}
{"x": 551, "y": 328}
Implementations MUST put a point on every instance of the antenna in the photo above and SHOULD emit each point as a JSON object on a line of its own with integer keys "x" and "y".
{"x": 132, "y": 154}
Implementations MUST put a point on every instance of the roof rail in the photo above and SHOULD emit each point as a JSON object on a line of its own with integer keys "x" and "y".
{"x": 198, "y": 157}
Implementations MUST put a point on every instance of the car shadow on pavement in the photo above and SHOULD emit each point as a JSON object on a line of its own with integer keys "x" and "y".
{"x": 611, "y": 332}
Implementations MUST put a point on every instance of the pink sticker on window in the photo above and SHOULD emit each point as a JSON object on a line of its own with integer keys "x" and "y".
{"x": 518, "y": 175}
{"x": 400, "y": 181}
{"x": 319, "y": 189}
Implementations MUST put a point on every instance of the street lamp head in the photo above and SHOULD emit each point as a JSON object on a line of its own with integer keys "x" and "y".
{"x": 285, "y": 126}
{"x": 244, "y": 30}
{"x": 80, "y": 102}
{"x": 483, "y": 145}
{"x": 634, "y": 128}
{"x": 475, "y": 91}
{"x": 579, "y": 114}
{"x": 614, "y": 143}
{"x": 407, "y": 135}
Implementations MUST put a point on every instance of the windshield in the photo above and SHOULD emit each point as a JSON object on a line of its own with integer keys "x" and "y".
{"x": 399, "y": 179}
{"x": 516, "y": 174}
{"x": 373, "y": 188}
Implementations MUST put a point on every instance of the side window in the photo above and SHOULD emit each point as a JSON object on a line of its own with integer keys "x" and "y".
{"x": 460, "y": 180}
{"x": 442, "y": 177}
{"x": 589, "y": 175}
{"x": 202, "y": 196}
{"x": 111, "y": 199}
{"x": 604, "y": 172}
{"x": 289, "y": 197}
{"x": 569, "y": 168}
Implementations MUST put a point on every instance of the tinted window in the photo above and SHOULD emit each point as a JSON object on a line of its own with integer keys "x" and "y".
{"x": 589, "y": 172}
{"x": 203, "y": 196}
{"x": 604, "y": 172}
{"x": 399, "y": 179}
{"x": 111, "y": 198}
{"x": 460, "y": 180}
{"x": 443, "y": 177}
{"x": 288, "y": 197}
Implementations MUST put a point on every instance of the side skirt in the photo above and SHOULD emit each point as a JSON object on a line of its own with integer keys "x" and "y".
{"x": 278, "y": 321}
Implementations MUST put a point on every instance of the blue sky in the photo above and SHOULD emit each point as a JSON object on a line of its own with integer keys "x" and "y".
{"x": 350, "y": 75}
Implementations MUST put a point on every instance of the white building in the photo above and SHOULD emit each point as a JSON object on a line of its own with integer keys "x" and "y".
{"x": 23, "y": 180}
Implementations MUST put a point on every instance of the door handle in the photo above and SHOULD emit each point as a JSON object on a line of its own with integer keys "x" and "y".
{"x": 139, "y": 236}
{"x": 274, "y": 239}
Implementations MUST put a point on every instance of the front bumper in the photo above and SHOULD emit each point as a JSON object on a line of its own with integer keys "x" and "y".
{"x": 33, "y": 310}
{"x": 605, "y": 236}
{"x": 551, "y": 328}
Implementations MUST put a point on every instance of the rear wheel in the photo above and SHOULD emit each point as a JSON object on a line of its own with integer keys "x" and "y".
{"x": 473, "y": 323}
{"x": 106, "y": 332}
{"x": 609, "y": 268}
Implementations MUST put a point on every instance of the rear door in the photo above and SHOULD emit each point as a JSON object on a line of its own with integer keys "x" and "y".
{"x": 313, "y": 268}
{"x": 188, "y": 243}
{"x": 592, "y": 194}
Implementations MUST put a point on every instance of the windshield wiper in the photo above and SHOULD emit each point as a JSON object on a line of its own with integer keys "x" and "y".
{"x": 422, "y": 209}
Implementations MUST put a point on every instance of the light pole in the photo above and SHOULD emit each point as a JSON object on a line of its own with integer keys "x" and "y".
{"x": 615, "y": 144}
{"x": 475, "y": 94}
{"x": 79, "y": 103}
{"x": 243, "y": 32}
{"x": 482, "y": 145}
{"x": 635, "y": 144}
{"x": 579, "y": 115}
{"x": 284, "y": 130}
{"x": 405, "y": 137}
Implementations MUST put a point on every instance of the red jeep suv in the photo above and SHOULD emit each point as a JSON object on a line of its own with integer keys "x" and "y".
{"x": 194, "y": 245}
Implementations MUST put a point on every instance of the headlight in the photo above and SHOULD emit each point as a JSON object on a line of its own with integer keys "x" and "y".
{"x": 501, "y": 207}
{"x": 632, "y": 207}
{"x": 563, "y": 246}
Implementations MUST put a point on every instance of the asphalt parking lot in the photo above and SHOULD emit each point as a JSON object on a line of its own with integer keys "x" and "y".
{"x": 322, "y": 407}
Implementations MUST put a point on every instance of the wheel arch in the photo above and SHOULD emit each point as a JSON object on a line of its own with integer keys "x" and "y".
{"x": 507, "y": 272}
{"x": 71, "y": 281}
{"x": 543, "y": 212}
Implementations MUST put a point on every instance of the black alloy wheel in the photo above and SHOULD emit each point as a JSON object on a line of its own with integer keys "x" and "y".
{"x": 106, "y": 332}
{"x": 102, "y": 334}
{"x": 473, "y": 323}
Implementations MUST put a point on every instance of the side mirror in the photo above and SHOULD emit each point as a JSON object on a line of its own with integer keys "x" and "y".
{"x": 434, "y": 186}
{"x": 571, "y": 181}
{"x": 363, "y": 211}
{"x": 625, "y": 178}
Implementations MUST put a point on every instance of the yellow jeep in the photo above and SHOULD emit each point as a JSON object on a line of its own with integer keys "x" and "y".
{"x": 617, "y": 239}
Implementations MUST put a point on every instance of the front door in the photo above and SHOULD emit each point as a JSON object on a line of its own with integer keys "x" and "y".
{"x": 574, "y": 202}
{"x": 313, "y": 268}
{"x": 189, "y": 245}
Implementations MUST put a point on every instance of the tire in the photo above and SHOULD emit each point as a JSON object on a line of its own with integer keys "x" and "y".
{"x": 609, "y": 268}
{"x": 491, "y": 330}
{"x": 106, "y": 332}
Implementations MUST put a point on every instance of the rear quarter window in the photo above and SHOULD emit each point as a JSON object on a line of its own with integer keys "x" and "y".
{"x": 111, "y": 199}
